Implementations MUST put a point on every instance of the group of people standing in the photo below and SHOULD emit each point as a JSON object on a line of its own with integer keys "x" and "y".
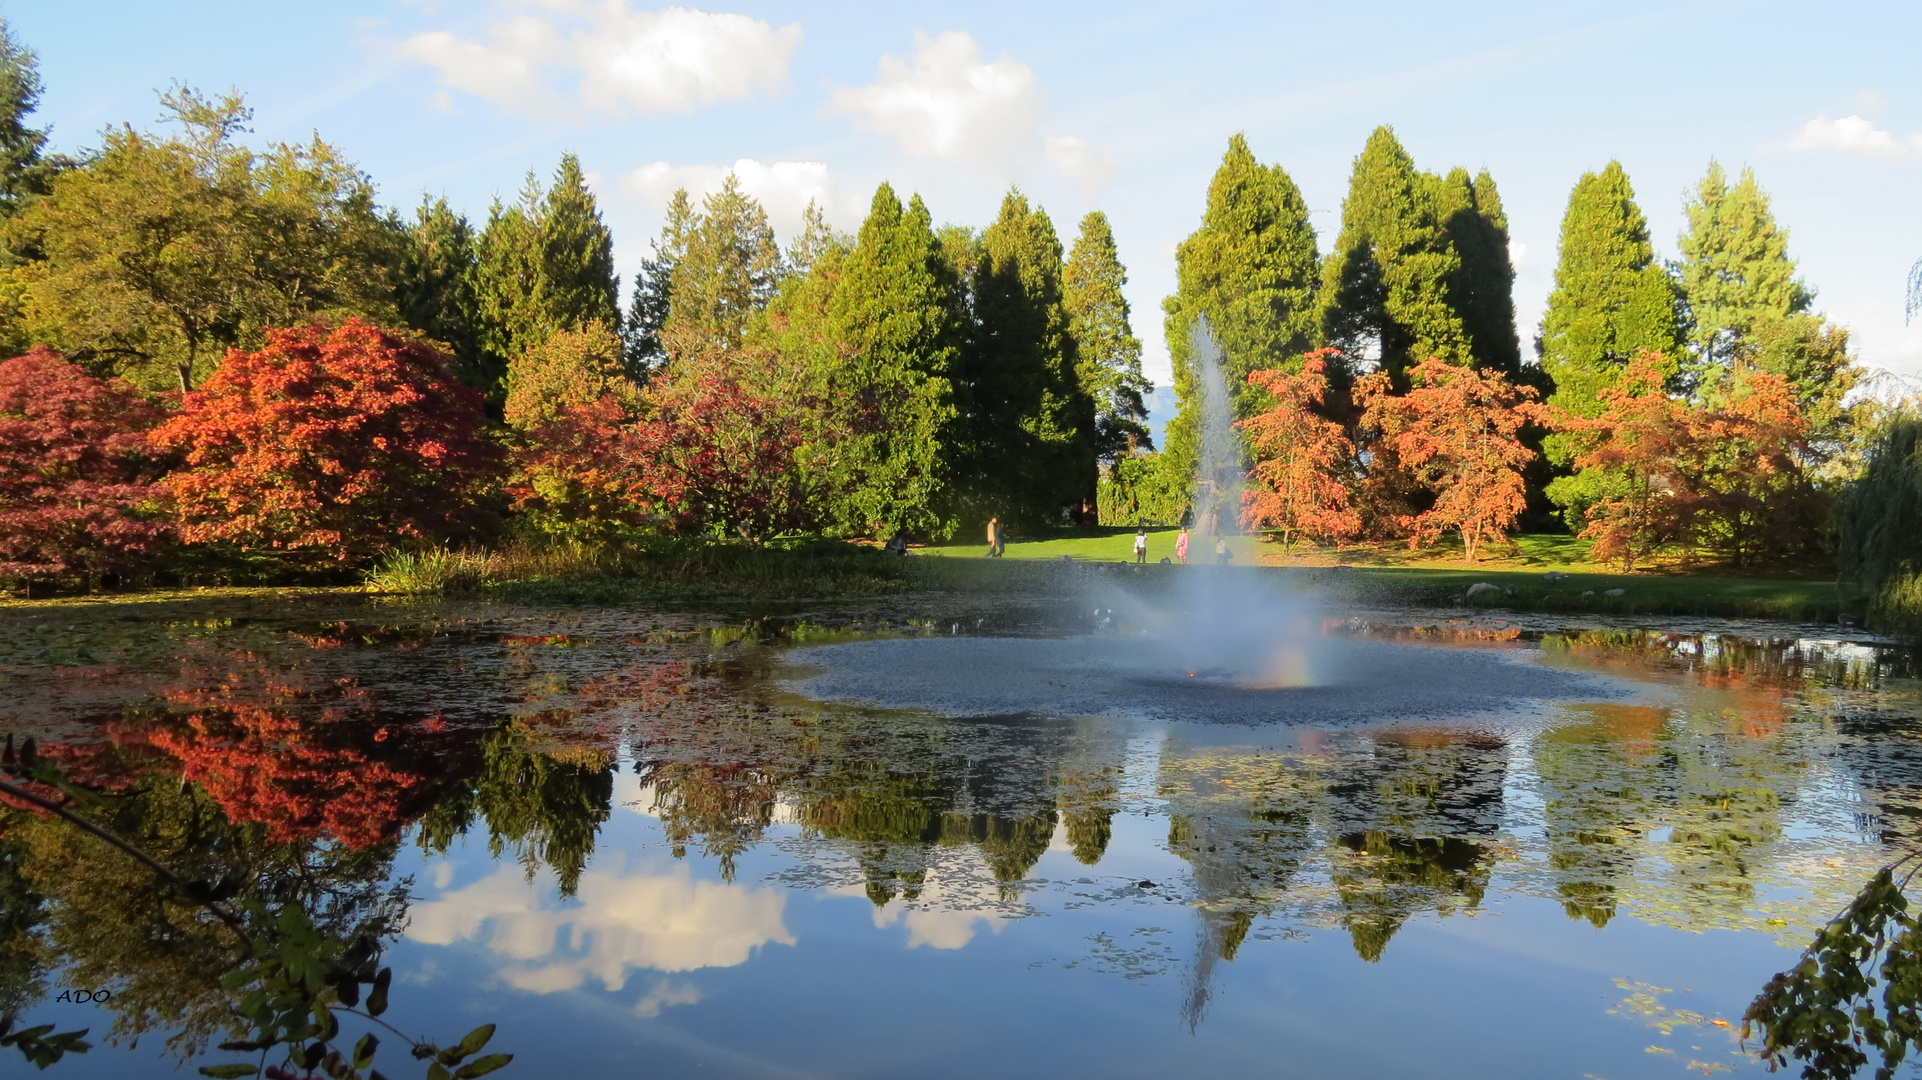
{"x": 998, "y": 544}
{"x": 1222, "y": 554}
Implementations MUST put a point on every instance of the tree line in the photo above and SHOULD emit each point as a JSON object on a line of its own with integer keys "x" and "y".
{"x": 238, "y": 350}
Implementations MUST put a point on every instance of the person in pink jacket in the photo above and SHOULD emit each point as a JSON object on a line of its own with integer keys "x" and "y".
{"x": 1181, "y": 546}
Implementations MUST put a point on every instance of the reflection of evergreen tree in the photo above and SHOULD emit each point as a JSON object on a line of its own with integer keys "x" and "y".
{"x": 1086, "y": 800}
{"x": 21, "y": 911}
{"x": 1010, "y": 843}
{"x": 725, "y": 807}
{"x": 1597, "y": 793}
{"x": 1394, "y": 876}
{"x": 544, "y": 803}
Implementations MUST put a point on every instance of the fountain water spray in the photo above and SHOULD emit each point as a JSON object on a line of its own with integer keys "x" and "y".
{"x": 1218, "y": 466}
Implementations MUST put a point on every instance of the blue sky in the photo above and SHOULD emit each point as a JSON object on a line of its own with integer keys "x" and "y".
{"x": 1117, "y": 106}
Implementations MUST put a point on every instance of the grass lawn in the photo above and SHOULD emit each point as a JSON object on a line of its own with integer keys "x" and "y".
{"x": 1391, "y": 573}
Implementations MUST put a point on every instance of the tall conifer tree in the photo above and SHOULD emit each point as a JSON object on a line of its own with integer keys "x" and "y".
{"x": 1611, "y": 299}
{"x": 1387, "y": 287}
{"x": 1735, "y": 268}
{"x": 894, "y": 324}
{"x": 726, "y": 272}
{"x": 653, "y": 294}
{"x": 1251, "y": 269}
{"x": 1108, "y": 353}
{"x": 545, "y": 263}
{"x": 1482, "y": 290}
{"x": 23, "y": 171}
{"x": 1032, "y": 425}
{"x": 434, "y": 290}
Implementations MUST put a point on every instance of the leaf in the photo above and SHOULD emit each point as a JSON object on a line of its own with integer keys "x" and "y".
{"x": 230, "y": 1072}
{"x": 377, "y": 999}
{"x": 437, "y": 1071}
{"x": 364, "y": 1050}
{"x": 482, "y": 1066}
{"x": 472, "y": 1042}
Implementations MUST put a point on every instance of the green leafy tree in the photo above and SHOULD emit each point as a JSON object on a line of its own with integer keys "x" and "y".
{"x": 435, "y": 292}
{"x": 161, "y": 253}
{"x": 1109, "y": 354}
{"x": 1611, "y": 299}
{"x": 1251, "y": 269}
{"x": 567, "y": 369}
{"x": 1482, "y": 291}
{"x": 815, "y": 240}
{"x": 1390, "y": 286}
{"x": 1031, "y": 423}
{"x": 1879, "y": 528}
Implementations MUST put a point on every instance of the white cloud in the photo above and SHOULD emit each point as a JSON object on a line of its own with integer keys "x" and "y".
{"x": 1870, "y": 101}
{"x": 1851, "y": 134}
{"x": 653, "y": 62}
{"x": 618, "y": 921}
{"x": 1086, "y": 164}
{"x": 667, "y": 993}
{"x": 948, "y": 103}
{"x": 783, "y": 188}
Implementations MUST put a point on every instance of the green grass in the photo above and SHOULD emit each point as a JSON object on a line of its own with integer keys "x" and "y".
{"x": 1104, "y": 545}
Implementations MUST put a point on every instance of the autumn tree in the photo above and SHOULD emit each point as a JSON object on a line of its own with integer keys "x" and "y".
{"x": 1456, "y": 432}
{"x": 565, "y": 369}
{"x": 78, "y": 491}
{"x": 328, "y": 445}
{"x": 161, "y": 252}
{"x": 1108, "y": 355}
{"x": 1304, "y": 462}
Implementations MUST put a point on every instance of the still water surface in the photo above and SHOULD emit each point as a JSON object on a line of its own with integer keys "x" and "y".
{"x": 635, "y": 841}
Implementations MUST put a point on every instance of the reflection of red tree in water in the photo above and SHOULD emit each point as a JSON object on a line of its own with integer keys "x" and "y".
{"x": 336, "y": 771}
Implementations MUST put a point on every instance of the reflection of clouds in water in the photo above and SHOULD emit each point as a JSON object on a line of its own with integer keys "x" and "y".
{"x": 946, "y": 913}
{"x": 666, "y": 994}
{"x": 618, "y": 921}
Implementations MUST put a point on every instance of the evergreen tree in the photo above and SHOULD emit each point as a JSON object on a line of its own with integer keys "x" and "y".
{"x": 892, "y": 330}
{"x": 545, "y": 263}
{"x": 434, "y": 291}
{"x": 813, "y": 241}
{"x": 1736, "y": 272}
{"x": 1032, "y": 424}
{"x": 647, "y": 311}
{"x": 23, "y": 171}
{"x": 1611, "y": 299}
{"x": 1109, "y": 354}
{"x": 1251, "y": 269}
{"x": 726, "y": 273}
{"x": 1482, "y": 291}
{"x": 1391, "y": 285}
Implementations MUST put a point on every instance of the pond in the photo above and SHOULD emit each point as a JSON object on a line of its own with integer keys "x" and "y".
{"x": 731, "y": 844}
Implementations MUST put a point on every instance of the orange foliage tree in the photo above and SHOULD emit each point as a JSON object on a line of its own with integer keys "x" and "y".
{"x": 330, "y": 444}
{"x": 1727, "y": 474}
{"x": 78, "y": 491}
{"x": 583, "y": 473}
{"x": 1457, "y": 433}
{"x": 1304, "y": 463}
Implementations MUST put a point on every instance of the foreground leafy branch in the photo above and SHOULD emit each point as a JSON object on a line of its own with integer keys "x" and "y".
{"x": 1825, "y": 1011}
{"x": 297, "y": 981}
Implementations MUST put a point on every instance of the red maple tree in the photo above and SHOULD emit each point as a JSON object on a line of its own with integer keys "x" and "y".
{"x": 78, "y": 497}
{"x": 583, "y": 473}
{"x": 328, "y": 443}
{"x": 1457, "y": 432}
{"x": 1304, "y": 463}
{"x": 1727, "y": 473}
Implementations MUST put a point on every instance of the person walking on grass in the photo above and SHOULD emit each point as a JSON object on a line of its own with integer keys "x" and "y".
{"x": 994, "y": 538}
{"x": 1181, "y": 546}
{"x": 1141, "y": 544}
{"x": 1222, "y": 554}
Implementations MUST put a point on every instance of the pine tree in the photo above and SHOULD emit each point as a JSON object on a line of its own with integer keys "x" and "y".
{"x": 727, "y": 271}
{"x": 1611, "y": 299}
{"x": 577, "y": 253}
{"x": 813, "y": 241}
{"x": 1251, "y": 269}
{"x": 545, "y": 263}
{"x": 434, "y": 291}
{"x": 23, "y": 171}
{"x": 1032, "y": 424}
{"x": 1109, "y": 352}
{"x": 893, "y": 328}
{"x": 653, "y": 294}
{"x": 1389, "y": 287}
{"x": 1748, "y": 307}
{"x": 1482, "y": 291}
